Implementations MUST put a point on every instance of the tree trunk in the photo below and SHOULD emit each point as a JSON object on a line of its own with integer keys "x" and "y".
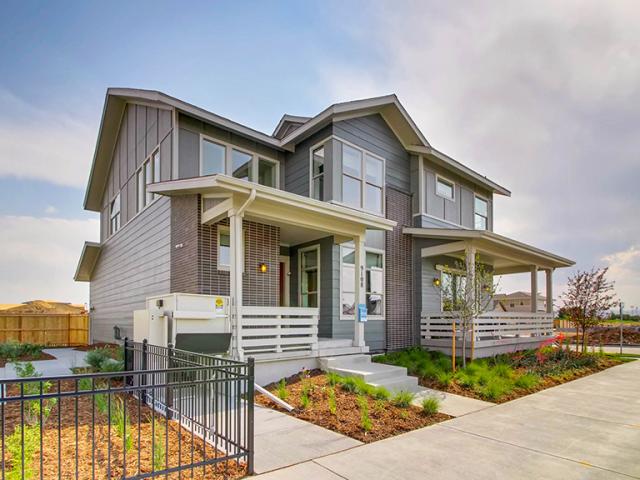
{"x": 464, "y": 346}
{"x": 577, "y": 337}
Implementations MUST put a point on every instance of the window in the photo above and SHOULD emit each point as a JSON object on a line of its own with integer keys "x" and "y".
{"x": 317, "y": 174}
{"x": 224, "y": 248}
{"x": 309, "y": 276}
{"x": 481, "y": 209}
{"x": 115, "y": 214}
{"x": 147, "y": 174}
{"x": 374, "y": 288}
{"x": 213, "y": 158}
{"x": 221, "y": 158}
{"x": 445, "y": 188}
{"x": 362, "y": 179}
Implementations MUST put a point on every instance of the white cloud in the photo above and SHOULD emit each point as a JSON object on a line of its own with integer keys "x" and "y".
{"x": 624, "y": 269}
{"x": 39, "y": 258}
{"x": 45, "y": 145}
{"x": 540, "y": 96}
{"x": 50, "y": 210}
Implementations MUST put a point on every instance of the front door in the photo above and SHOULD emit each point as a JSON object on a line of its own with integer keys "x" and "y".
{"x": 283, "y": 274}
{"x": 309, "y": 259}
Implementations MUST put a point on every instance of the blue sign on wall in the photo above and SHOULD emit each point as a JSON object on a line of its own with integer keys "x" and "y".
{"x": 362, "y": 312}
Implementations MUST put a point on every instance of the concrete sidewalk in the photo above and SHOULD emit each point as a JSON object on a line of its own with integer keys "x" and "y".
{"x": 585, "y": 429}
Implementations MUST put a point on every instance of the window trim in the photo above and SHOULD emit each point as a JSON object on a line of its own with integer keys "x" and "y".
{"x": 219, "y": 230}
{"x": 486, "y": 218}
{"x": 228, "y": 163}
{"x": 384, "y": 280}
{"x": 322, "y": 143}
{"x": 141, "y": 169}
{"x": 300, "y": 252}
{"x": 453, "y": 187}
{"x": 117, "y": 215}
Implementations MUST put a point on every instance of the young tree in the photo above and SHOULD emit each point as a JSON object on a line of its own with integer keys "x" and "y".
{"x": 467, "y": 291}
{"x": 588, "y": 298}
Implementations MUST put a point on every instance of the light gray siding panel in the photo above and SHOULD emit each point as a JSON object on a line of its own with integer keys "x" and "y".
{"x": 297, "y": 164}
{"x": 131, "y": 199}
{"x": 373, "y": 134}
{"x": 466, "y": 207}
{"x": 452, "y": 209}
{"x": 152, "y": 130}
{"x": 435, "y": 203}
{"x": 164, "y": 123}
{"x": 131, "y": 139}
{"x": 189, "y": 154}
{"x": 133, "y": 265}
{"x": 141, "y": 130}
{"x": 165, "y": 158}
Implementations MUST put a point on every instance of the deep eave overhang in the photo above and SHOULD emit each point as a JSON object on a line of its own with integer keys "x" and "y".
{"x": 225, "y": 184}
{"x": 545, "y": 258}
{"x": 88, "y": 259}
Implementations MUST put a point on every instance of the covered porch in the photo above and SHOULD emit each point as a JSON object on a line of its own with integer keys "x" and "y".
{"x": 274, "y": 248}
{"x": 491, "y": 332}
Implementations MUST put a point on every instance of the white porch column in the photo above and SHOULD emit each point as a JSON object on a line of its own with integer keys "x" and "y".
{"x": 235, "y": 284}
{"x": 549, "y": 289}
{"x": 534, "y": 288}
{"x": 360, "y": 290}
{"x": 470, "y": 263}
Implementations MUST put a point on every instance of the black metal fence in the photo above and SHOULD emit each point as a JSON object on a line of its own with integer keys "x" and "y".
{"x": 170, "y": 414}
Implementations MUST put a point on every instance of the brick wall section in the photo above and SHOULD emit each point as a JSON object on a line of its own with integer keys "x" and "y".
{"x": 185, "y": 223}
{"x": 262, "y": 245}
{"x": 400, "y": 322}
{"x": 212, "y": 280}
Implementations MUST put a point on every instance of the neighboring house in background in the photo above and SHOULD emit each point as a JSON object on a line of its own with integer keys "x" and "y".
{"x": 518, "y": 302}
{"x": 42, "y": 306}
{"x": 350, "y": 207}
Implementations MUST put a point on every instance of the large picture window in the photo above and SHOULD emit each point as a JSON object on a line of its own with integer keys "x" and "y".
{"x": 374, "y": 287}
{"x": 309, "y": 259}
{"x": 220, "y": 158}
{"x": 148, "y": 173}
{"x": 362, "y": 179}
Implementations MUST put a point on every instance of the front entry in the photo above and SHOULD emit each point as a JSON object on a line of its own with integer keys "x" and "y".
{"x": 283, "y": 276}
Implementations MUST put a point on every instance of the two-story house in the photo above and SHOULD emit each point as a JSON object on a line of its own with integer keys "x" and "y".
{"x": 329, "y": 216}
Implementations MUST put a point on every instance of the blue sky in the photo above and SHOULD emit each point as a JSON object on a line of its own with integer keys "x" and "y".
{"x": 543, "y": 100}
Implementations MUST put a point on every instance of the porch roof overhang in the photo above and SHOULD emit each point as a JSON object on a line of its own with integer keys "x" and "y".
{"x": 504, "y": 254}
{"x": 274, "y": 206}
{"x": 88, "y": 258}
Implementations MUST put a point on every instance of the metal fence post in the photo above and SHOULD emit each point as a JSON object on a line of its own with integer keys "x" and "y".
{"x": 169, "y": 377}
{"x": 250, "y": 399}
{"x": 143, "y": 379}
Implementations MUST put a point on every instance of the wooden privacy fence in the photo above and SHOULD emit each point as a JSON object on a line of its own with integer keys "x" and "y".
{"x": 50, "y": 329}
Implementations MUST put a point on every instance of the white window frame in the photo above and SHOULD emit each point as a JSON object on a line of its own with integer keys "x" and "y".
{"x": 141, "y": 170}
{"x": 486, "y": 218}
{"x": 453, "y": 187}
{"x": 310, "y": 248}
{"x": 312, "y": 177}
{"x": 228, "y": 163}
{"x": 384, "y": 280}
{"x": 226, "y": 229}
{"x": 450, "y": 271}
{"x": 117, "y": 216}
{"x": 363, "y": 178}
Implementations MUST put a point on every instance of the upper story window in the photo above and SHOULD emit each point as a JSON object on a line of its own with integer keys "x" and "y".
{"x": 114, "y": 209}
{"x": 374, "y": 293}
{"x": 481, "y": 213}
{"x": 148, "y": 173}
{"x": 317, "y": 173}
{"x": 445, "y": 188}
{"x": 220, "y": 158}
{"x": 362, "y": 179}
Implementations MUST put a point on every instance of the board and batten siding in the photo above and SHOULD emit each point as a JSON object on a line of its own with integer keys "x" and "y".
{"x": 298, "y": 164}
{"x": 134, "y": 264}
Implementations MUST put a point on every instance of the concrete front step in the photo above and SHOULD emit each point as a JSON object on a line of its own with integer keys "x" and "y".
{"x": 344, "y": 361}
{"x": 340, "y": 351}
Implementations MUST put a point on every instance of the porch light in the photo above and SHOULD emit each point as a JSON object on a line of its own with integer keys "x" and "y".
{"x": 263, "y": 268}
{"x": 436, "y": 281}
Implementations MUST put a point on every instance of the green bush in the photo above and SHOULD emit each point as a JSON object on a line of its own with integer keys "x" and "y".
{"x": 123, "y": 426}
{"x": 17, "y": 449}
{"x": 444, "y": 378}
{"x": 282, "y": 390}
{"x": 349, "y": 384}
{"x": 381, "y": 393}
{"x": 12, "y": 350}
{"x": 334, "y": 379}
{"x": 365, "y": 420}
{"x": 528, "y": 380}
{"x": 430, "y": 405}
{"x": 158, "y": 447}
{"x": 95, "y": 358}
{"x": 331, "y": 399}
{"x": 402, "y": 399}
{"x": 110, "y": 365}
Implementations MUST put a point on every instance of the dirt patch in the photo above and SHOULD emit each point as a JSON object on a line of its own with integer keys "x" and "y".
{"x": 95, "y": 346}
{"x": 85, "y": 449}
{"x": 387, "y": 419}
{"x": 610, "y": 335}
{"x": 27, "y": 358}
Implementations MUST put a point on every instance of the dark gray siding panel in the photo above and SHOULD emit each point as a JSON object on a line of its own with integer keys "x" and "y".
{"x": 373, "y": 134}
{"x": 296, "y": 177}
{"x": 133, "y": 265}
{"x": 189, "y": 154}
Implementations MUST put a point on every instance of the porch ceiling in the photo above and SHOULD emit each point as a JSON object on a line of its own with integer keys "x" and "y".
{"x": 504, "y": 254}
{"x": 301, "y": 218}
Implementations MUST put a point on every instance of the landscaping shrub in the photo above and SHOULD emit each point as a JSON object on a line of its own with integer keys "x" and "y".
{"x": 12, "y": 350}
{"x": 333, "y": 379}
{"x": 282, "y": 390}
{"x": 527, "y": 381}
{"x": 349, "y": 384}
{"x": 110, "y": 365}
{"x": 402, "y": 399}
{"x": 430, "y": 405}
{"x": 365, "y": 420}
{"x": 381, "y": 393}
{"x": 331, "y": 400}
{"x": 158, "y": 447}
{"x": 17, "y": 449}
{"x": 95, "y": 358}
{"x": 122, "y": 424}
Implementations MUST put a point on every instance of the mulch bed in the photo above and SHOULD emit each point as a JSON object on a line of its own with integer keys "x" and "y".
{"x": 27, "y": 358}
{"x": 387, "y": 419}
{"x": 611, "y": 335}
{"x": 98, "y": 452}
{"x": 95, "y": 346}
{"x": 546, "y": 382}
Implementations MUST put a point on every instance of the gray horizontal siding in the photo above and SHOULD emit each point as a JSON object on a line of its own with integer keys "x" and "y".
{"x": 373, "y": 134}
{"x": 133, "y": 265}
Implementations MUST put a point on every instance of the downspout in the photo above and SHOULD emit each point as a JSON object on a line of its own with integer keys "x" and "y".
{"x": 237, "y": 307}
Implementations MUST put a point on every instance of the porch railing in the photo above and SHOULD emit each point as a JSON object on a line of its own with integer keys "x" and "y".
{"x": 279, "y": 331}
{"x": 488, "y": 330}
{"x": 169, "y": 413}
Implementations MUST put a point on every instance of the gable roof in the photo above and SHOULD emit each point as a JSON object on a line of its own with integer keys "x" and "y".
{"x": 290, "y": 131}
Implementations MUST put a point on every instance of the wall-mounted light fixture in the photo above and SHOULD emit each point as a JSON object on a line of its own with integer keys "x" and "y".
{"x": 436, "y": 281}
{"x": 262, "y": 268}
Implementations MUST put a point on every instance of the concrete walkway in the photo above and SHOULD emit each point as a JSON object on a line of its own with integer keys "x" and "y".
{"x": 66, "y": 359}
{"x": 452, "y": 404}
{"x": 585, "y": 429}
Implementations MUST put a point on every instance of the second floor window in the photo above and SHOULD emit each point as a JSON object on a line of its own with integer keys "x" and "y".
{"x": 114, "y": 210}
{"x": 481, "y": 213}
{"x": 317, "y": 174}
{"x": 148, "y": 173}
{"x": 445, "y": 188}
{"x": 362, "y": 179}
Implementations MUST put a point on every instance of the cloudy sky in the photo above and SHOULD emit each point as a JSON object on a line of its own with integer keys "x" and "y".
{"x": 541, "y": 96}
